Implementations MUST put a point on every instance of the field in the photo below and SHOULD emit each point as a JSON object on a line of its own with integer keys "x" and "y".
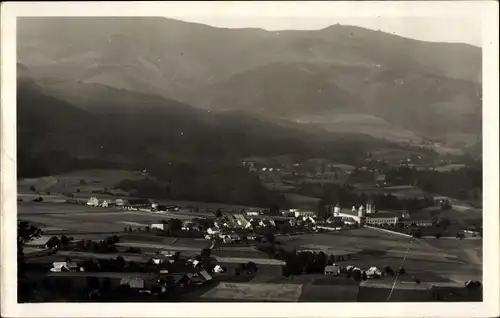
{"x": 429, "y": 260}
{"x": 302, "y": 201}
{"x": 83, "y": 184}
{"x": 85, "y": 180}
{"x": 254, "y": 292}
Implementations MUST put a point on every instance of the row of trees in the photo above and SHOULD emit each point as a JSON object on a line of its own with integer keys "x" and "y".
{"x": 464, "y": 183}
{"x": 226, "y": 183}
{"x": 103, "y": 246}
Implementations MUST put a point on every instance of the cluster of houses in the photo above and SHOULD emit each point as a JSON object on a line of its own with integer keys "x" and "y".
{"x": 95, "y": 202}
{"x": 132, "y": 204}
{"x": 147, "y": 283}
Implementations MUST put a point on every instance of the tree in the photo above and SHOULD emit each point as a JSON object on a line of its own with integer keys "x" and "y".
{"x": 177, "y": 256}
{"x": 364, "y": 276}
{"x": 174, "y": 225}
{"x": 402, "y": 271}
{"x": 120, "y": 262}
{"x": 357, "y": 275}
{"x": 32, "y": 189}
{"x": 438, "y": 235}
{"x": 53, "y": 242}
{"x": 92, "y": 283}
{"x": 270, "y": 237}
{"x": 389, "y": 271}
{"x": 445, "y": 222}
{"x": 26, "y": 232}
{"x": 284, "y": 271}
{"x": 322, "y": 211}
{"x": 274, "y": 209}
{"x": 251, "y": 267}
{"x": 218, "y": 213}
{"x": 64, "y": 240}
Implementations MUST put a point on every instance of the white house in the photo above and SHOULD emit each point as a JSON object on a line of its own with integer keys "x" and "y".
{"x": 93, "y": 201}
{"x": 65, "y": 266}
{"x": 332, "y": 270}
{"x": 159, "y": 226}
{"x": 104, "y": 204}
{"x": 119, "y": 202}
{"x": 213, "y": 231}
{"x": 218, "y": 269}
{"x": 298, "y": 214}
{"x": 253, "y": 213}
{"x": 373, "y": 272}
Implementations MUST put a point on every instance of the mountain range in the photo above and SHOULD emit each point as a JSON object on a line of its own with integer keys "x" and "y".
{"x": 143, "y": 78}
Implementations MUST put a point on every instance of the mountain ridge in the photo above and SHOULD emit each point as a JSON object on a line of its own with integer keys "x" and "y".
{"x": 370, "y": 71}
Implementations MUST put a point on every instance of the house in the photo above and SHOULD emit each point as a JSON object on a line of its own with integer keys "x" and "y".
{"x": 93, "y": 201}
{"x": 386, "y": 217}
{"x": 251, "y": 237}
{"x": 252, "y": 213}
{"x": 298, "y": 214}
{"x": 40, "y": 242}
{"x": 158, "y": 226}
{"x": 373, "y": 272}
{"x": 142, "y": 204}
{"x": 219, "y": 269}
{"x": 235, "y": 237}
{"x": 173, "y": 281}
{"x": 104, "y": 204}
{"x": 332, "y": 270}
{"x": 200, "y": 278}
{"x": 119, "y": 202}
{"x": 267, "y": 223}
{"x": 242, "y": 221}
{"x": 79, "y": 280}
{"x": 229, "y": 219}
{"x": 186, "y": 225}
{"x": 213, "y": 231}
{"x": 133, "y": 282}
{"x": 417, "y": 222}
{"x": 65, "y": 267}
{"x": 380, "y": 220}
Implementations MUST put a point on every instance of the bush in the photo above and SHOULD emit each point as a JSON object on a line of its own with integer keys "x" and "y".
{"x": 438, "y": 235}
{"x": 389, "y": 271}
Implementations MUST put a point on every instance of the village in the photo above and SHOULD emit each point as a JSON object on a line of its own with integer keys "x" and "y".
{"x": 174, "y": 251}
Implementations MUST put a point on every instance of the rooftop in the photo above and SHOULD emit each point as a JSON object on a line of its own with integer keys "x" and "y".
{"x": 387, "y": 214}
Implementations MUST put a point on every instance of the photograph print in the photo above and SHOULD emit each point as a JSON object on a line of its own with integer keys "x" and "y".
{"x": 249, "y": 159}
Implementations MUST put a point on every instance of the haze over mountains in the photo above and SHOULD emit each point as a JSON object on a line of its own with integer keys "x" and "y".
{"x": 341, "y": 79}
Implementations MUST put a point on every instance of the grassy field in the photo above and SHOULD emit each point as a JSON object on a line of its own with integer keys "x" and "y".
{"x": 81, "y": 218}
{"x": 301, "y": 201}
{"x": 426, "y": 260}
{"x": 83, "y": 184}
{"x": 429, "y": 260}
{"x": 255, "y": 292}
{"x": 84, "y": 180}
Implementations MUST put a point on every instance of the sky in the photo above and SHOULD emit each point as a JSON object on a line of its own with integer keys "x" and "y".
{"x": 433, "y": 29}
